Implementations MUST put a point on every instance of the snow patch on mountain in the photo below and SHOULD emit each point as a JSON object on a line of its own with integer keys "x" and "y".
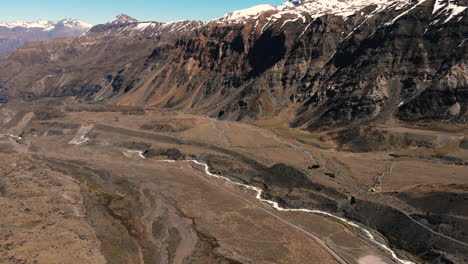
{"x": 404, "y": 13}
{"x": 448, "y": 8}
{"x": 344, "y": 8}
{"x": 316, "y": 8}
{"x": 174, "y": 26}
{"x": 246, "y": 14}
{"x": 312, "y": 8}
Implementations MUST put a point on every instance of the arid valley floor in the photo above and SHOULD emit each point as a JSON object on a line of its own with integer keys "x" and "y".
{"x": 93, "y": 183}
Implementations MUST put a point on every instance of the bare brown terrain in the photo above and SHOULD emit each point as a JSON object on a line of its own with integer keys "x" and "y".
{"x": 91, "y": 183}
{"x": 313, "y": 132}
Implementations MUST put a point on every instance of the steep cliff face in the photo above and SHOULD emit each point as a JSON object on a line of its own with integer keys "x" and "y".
{"x": 374, "y": 65}
{"x": 347, "y": 62}
{"x": 413, "y": 67}
{"x": 240, "y": 71}
{"x": 89, "y": 66}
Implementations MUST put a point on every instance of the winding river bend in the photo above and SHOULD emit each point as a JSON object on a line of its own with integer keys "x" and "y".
{"x": 276, "y": 206}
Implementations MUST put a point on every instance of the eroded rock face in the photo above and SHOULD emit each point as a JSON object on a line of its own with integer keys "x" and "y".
{"x": 380, "y": 63}
{"x": 380, "y": 71}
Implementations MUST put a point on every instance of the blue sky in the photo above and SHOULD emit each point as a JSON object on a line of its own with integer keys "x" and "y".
{"x": 100, "y": 11}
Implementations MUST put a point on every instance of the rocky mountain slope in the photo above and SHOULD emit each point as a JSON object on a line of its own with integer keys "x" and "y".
{"x": 337, "y": 62}
{"x": 16, "y": 34}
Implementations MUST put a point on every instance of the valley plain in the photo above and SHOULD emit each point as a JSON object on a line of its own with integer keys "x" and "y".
{"x": 94, "y": 182}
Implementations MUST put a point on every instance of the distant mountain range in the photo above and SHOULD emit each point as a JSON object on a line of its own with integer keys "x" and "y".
{"x": 16, "y": 34}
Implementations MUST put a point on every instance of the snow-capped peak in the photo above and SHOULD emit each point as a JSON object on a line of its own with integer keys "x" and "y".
{"x": 47, "y": 25}
{"x": 75, "y": 23}
{"x": 248, "y": 13}
{"x": 313, "y": 8}
{"x": 123, "y": 19}
{"x": 44, "y": 24}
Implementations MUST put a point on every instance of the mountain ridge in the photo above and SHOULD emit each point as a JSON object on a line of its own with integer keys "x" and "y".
{"x": 225, "y": 69}
{"x": 124, "y": 24}
{"x": 16, "y": 34}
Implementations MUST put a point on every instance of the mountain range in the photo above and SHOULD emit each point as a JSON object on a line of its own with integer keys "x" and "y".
{"x": 333, "y": 62}
{"x": 355, "y": 107}
{"x": 16, "y": 34}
